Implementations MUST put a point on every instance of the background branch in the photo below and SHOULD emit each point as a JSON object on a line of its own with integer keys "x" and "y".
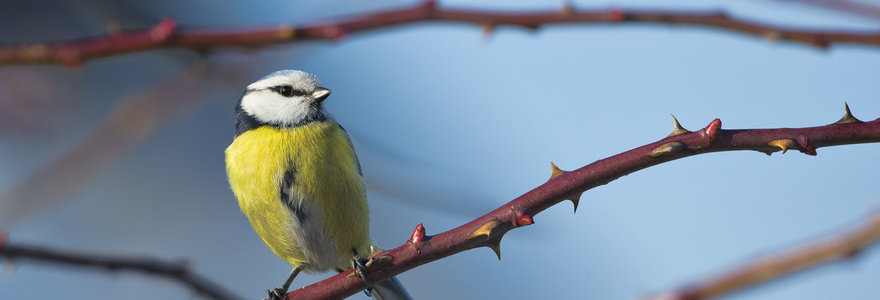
{"x": 176, "y": 271}
{"x": 134, "y": 117}
{"x": 837, "y": 247}
{"x": 487, "y": 230}
{"x": 167, "y": 34}
{"x": 844, "y": 6}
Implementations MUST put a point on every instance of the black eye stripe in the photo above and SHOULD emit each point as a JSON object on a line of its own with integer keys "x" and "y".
{"x": 287, "y": 91}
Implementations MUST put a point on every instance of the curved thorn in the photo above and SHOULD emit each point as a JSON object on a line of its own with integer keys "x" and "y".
{"x": 783, "y": 144}
{"x": 667, "y": 149}
{"x": 486, "y": 230}
{"x": 556, "y": 170}
{"x": 847, "y": 118}
{"x": 575, "y": 200}
{"x": 496, "y": 247}
{"x": 677, "y": 128}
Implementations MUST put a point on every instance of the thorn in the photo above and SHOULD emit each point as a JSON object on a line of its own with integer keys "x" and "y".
{"x": 848, "y": 118}
{"x": 556, "y": 170}
{"x": 418, "y": 236}
{"x": 575, "y": 200}
{"x": 374, "y": 251}
{"x": 496, "y": 247}
{"x": 783, "y": 144}
{"x": 486, "y": 230}
{"x": 377, "y": 262}
{"x": 853, "y": 253}
{"x": 567, "y": 9}
{"x": 820, "y": 42}
{"x": 487, "y": 29}
{"x": 286, "y": 32}
{"x": 711, "y": 130}
{"x": 667, "y": 149}
{"x": 773, "y": 36}
{"x": 677, "y": 128}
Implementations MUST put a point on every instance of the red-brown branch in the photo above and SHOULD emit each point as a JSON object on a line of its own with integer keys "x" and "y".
{"x": 167, "y": 34}
{"x": 837, "y": 247}
{"x": 176, "y": 271}
{"x": 845, "y": 6}
{"x": 487, "y": 230}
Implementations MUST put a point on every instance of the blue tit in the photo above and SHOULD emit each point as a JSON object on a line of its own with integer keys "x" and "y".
{"x": 298, "y": 180}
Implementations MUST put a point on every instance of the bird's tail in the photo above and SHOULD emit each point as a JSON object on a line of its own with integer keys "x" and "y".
{"x": 390, "y": 289}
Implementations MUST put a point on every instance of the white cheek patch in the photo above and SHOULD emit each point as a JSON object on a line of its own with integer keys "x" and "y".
{"x": 269, "y": 107}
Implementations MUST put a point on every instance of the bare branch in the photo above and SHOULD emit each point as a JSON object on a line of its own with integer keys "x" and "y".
{"x": 167, "y": 34}
{"x": 176, "y": 271}
{"x": 132, "y": 119}
{"x": 837, "y": 247}
{"x": 845, "y": 6}
{"x": 487, "y": 230}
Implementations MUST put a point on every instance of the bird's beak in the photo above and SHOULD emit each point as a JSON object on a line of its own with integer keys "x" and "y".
{"x": 320, "y": 94}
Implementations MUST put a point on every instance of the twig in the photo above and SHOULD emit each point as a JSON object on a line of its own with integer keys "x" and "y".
{"x": 845, "y": 6}
{"x": 487, "y": 230}
{"x": 176, "y": 271}
{"x": 838, "y": 247}
{"x": 167, "y": 34}
{"x": 132, "y": 120}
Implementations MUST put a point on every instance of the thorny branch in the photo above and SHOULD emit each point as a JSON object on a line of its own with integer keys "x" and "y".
{"x": 838, "y": 247}
{"x": 177, "y": 271}
{"x": 167, "y": 34}
{"x": 487, "y": 230}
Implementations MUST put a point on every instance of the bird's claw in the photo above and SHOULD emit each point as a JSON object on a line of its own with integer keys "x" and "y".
{"x": 359, "y": 265}
{"x": 276, "y": 294}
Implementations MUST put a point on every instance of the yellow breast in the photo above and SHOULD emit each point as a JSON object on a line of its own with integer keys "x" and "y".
{"x": 326, "y": 182}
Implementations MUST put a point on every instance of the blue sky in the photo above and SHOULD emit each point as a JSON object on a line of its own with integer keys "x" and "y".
{"x": 449, "y": 124}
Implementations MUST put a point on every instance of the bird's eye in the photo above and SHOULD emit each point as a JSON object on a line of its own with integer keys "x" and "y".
{"x": 287, "y": 91}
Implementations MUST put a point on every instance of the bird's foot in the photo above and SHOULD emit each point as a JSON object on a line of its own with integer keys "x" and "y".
{"x": 276, "y": 294}
{"x": 359, "y": 265}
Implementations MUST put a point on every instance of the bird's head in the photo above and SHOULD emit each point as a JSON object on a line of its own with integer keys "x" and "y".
{"x": 285, "y": 98}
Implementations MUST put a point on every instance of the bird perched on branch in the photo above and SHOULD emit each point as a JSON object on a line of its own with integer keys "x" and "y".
{"x": 298, "y": 180}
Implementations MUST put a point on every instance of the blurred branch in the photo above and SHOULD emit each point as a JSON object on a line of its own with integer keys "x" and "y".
{"x": 167, "y": 34}
{"x": 132, "y": 120}
{"x": 487, "y": 230}
{"x": 838, "y": 247}
{"x": 844, "y": 6}
{"x": 176, "y": 271}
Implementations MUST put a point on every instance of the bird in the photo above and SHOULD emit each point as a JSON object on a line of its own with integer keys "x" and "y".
{"x": 298, "y": 181}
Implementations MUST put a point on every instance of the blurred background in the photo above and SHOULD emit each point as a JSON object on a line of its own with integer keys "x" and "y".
{"x": 124, "y": 154}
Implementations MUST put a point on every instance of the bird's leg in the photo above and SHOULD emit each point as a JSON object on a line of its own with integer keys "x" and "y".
{"x": 359, "y": 265}
{"x": 281, "y": 293}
